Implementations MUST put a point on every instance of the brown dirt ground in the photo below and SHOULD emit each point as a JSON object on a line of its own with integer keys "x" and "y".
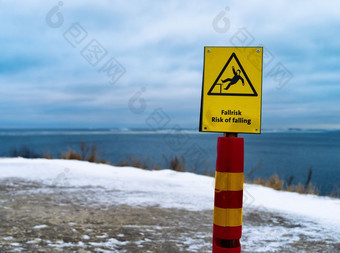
{"x": 40, "y": 218}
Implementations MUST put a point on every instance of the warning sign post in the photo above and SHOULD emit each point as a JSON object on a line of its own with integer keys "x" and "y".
{"x": 231, "y": 90}
{"x": 230, "y": 103}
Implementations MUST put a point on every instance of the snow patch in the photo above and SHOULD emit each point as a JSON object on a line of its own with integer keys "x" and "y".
{"x": 86, "y": 237}
{"x": 40, "y": 226}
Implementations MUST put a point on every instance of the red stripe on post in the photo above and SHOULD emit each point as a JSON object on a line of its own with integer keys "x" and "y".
{"x": 230, "y": 154}
{"x": 228, "y": 199}
{"x": 227, "y": 233}
{"x": 218, "y": 249}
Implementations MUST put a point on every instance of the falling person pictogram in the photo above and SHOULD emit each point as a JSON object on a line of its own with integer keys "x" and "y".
{"x": 224, "y": 81}
{"x": 233, "y": 80}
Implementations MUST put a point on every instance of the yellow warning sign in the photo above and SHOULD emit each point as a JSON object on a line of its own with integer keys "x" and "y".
{"x": 232, "y": 90}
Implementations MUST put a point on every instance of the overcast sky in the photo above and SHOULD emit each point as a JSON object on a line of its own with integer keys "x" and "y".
{"x": 75, "y": 64}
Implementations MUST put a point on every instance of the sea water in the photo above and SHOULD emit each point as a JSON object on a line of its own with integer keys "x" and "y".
{"x": 289, "y": 154}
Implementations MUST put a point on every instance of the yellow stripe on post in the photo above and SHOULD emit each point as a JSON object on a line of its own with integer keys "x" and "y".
{"x": 228, "y": 181}
{"x": 230, "y": 217}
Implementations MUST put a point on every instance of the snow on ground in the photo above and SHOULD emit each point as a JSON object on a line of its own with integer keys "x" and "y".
{"x": 324, "y": 210}
{"x": 170, "y": 189}
{"x": 136, "y": 187}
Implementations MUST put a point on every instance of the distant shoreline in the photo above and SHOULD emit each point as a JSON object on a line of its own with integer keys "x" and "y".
{"x": 45, "y": 131}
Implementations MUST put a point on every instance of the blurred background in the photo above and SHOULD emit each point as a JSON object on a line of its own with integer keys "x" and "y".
{"x": 75, "y": 71}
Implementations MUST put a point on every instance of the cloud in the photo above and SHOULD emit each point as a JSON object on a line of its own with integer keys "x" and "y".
{"x": 45, "y": 80}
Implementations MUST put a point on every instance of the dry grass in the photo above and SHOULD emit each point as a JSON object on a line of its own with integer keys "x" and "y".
{"x": 311, "y": 189}
{"x": 86, "y": 153}
{"x": 175, "y": 163}
{"x": 336, "y": 192}
{"x": 71, "y": 155}
{"x": 103, "y": 162}
{"x": 157, "y": 168}
{"x": 275, "y": 182}
{"x": 133, "y": 162}
{"x": 48, "y": 156}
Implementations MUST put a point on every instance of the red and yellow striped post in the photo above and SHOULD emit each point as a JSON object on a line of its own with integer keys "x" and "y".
{"x": 227, "y": 228}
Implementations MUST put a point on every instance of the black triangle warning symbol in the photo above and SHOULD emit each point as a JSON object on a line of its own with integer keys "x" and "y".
{"x": 232, "y": 81}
